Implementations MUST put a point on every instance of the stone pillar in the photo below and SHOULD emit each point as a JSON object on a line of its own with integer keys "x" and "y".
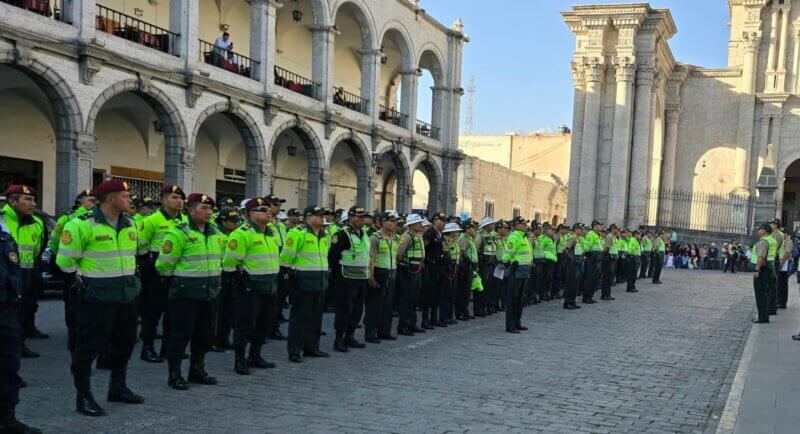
{"x": 370, "y": 78}
{"x": 578, "y": 110}
{"x": 258, "y": 177}
{"x": 322, "y": 68}
{"x": 668, "y": 168}
{"x": 621, "y": 142}
{"x": 81, "y": 14}
{"x": 437, "y": 111}
{"x": 637, "y": 199}
{"x": 591, "y": 136}
{"x": 775, "y": 139}
{"x": 795, "y": 60}
{"x": 369, "y": 199}
{"x": 408, "y": 100}
{"x": 263, "y": 14}
{"x": 318, "y": 181}
{"x": 781, "y": 78}
{"x": 773, "y": 40}
{"x": 184, "y": 19}
{"x": 401, "y": 197}
{"x": 747, "y": 99}
{"x": 179, "y": 166}
{"x": 74, "y": 164}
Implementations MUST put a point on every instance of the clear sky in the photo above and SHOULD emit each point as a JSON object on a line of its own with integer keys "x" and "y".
{"x": 521, "y": 49}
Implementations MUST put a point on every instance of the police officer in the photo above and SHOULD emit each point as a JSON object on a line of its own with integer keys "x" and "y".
{"x": 10, "y": 335}
{"x": 252, "y": 254}
{"x": 447, "y": 295}
{"x": 380, "y": 294}
{"x": 548, "y": 246}
{"x": 518, "y": 255}
{"x": 410, "y": 262}
{"x": 144, "y": 207}
{"x": 28, "y": 232}
{"x": 108, "y": 289}
{"x": 433, "y": 276}
{"x": 774, "y": 261}
{"x": 349, "y": 262}
{"x": 190, "y": 262}
{"x": 486, "y": 241}
{"x": 533, "y": 290}
{"x": 279, "y": 227}
{"x": 228, "y": 220}
{"x": 784, "y": 267}
{"x": 593, "y": 248}
{"x": 306, "y": 255}
{"x": 647, "y": 251}
{"x": 467, "y": 266}
{"x": 500, "y": 282}
{"x": 154, "y": 295}
{"x": 762, "y": 272}
{"x": 609, "y": 258}
{"x": 562, "y": 237}
{"x": 657, "y": 261}
{"x": 634, "y": 253}
{"x": 573, "y": 257}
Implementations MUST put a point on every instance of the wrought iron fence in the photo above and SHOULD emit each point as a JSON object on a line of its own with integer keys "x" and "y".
{"x": 228, "y": 60}
{"x": 350, "y": 100}
{"x": 46, "y": 8}
{"x": 392, "y": 116}
{"x": 427, "y": 130}
{"x": 295, "y": 82}
{"x": 133, "y": 29}
{"x": 142, "y": 187}
{"x": 687, "y": 210}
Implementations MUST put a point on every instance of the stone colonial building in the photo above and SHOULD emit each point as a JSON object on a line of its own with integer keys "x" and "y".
{"x": 315, "y": 100}
{"x": 656, "y": 141}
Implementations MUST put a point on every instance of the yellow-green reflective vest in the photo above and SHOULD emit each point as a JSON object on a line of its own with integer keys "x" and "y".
{"x": 595, "y": 243}
{"x": 153, "y": 228}
{"x": 355, "y": 260}
{"x": 451, "y": 244}
{"x": 385, "y": 257}
{"x": 661, "y": 247}
{"x": 415, "y": 253}
{"x": 471, "y": 251}
{"x": 634, "y": 247}
{"x": 538, "y": 252}
{"x": 753, "y": 254}
{"x": 773, "y": 247}
{"x": 548, "y": 248}
{"x": 561, "y": 245}
{"x": 55, "y": 235}
{"x": 647, "y": 244}
{"x": 104, "y": 257}
{"x": 27, "y": 234}
{"x": 518, "y": 249}
{"x": 489, "y": 242}
{"x": 257, "y": 254}
{"x": 193, "y": 258}
{"x": 307, "y": 255}
{"x": 578, "y": 249}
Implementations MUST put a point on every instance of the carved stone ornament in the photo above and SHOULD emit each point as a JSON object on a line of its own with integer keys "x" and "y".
{"x": 753, "y": 15}
{"x": 594, "y": 69}
{"x": 270, "y": 113}
{"x": 751, "y": 41}
{"x": 89, "y": 66}
{"x": 189, "y": 158}
{"x": 144, "y": 83}
{"x": 625, "y": 69}
{"x": 193, "y": 93}
{"x": 23, "y": 54}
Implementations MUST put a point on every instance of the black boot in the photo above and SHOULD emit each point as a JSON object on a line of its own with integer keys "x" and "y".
{"x": 339, "y": 344}
{"x": 84, "y": 401}
{"x": 255, "y": 360}
{"x": 175, "y": 379}
{"x": 197, "y": 371}
{"x": 10, "y": 424}
{"x": 118, "y": 388}
{"x": 240, "y": 365}
{"x": 149, "y": 354}
{"x": 27, "y": 353}
{"x": 352, "y": 342}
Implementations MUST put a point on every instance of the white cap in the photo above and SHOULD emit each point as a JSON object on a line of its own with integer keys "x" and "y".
{"x": 425, "y": 223}
{"x": 486, "y": 221}
{"x": 451, "y": 227}
{"x": 344, "y": 215}
{"x": 393, "y": 213}
{"x": 282, "y": 215}
{"x": 413, "y": 219}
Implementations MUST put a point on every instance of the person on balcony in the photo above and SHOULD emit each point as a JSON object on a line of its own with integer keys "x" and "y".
{"x": 222, "y": 45}
{"x": 338, "y": 97}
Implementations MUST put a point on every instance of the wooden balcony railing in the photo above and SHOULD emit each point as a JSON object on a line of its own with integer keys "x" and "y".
{"x": 228, "y": 60}
{"x": 295, "y": 82}
{"x": 428, "y": 130}
{"x": 133, "y": 29}
{"x": 392, "y": 116}
{"x": 350, "y": 100}
{"x": 47, "y": 8}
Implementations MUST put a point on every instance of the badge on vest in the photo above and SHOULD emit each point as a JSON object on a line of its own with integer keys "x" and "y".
{"x": 167, "y": 247}
{"x": 66, "y": 237}
{"x": 132, "y": 235}
{"x": 232, "y": 244}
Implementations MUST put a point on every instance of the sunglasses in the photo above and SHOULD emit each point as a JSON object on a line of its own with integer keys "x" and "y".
{"x": 260, "y": 209}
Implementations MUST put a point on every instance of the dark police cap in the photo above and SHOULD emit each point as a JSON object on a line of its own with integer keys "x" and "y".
{"x": 314, "y": 210}
{"x": 596, "y": 222}
{"x": 170, "y": 188}
{"x": 111, "y": 186}
{"x": 293, "y": 212}
{"x": 20, "y": 189}
{"x": 766, "y": 226}
{"x": 229, "y": 215}
{"x": 518, "y": 220}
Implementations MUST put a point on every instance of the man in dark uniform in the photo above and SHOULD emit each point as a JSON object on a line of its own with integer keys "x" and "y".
{"x": 349, "y": 263}
{"x": 10, "y": 335}
{"x": 609, "y": 259}
{"x": 433, "y": 275}
{"x": 227, "y": 221}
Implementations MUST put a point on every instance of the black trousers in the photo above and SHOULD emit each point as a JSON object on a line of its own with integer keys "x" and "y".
{"x": 191, "y": 321}
{"x": 783, "y": 288}
{"x": 349, "y": 305}
{"x": 101, "y": 324}
{"x": 305, "y": 320}
{"x": 255, "y": 315}
{"x": 515, "y": 300}
{"x": 462, "y": 292}
{"x": 10, "y": 353}
{"x": 645, "y": 261}
{"x": 633, "y": 270}
{"x": 772, "y": 289}
{"x": 591, "y": 274}
{"x": 71, "y": 314}
{"x": 761, "y": 288}
{"x": 226, "y": 310}
{"x": 560, "y": 273}
{"x": 658, "y": 265}
{"x": 482, "y": 300}
{"x": 154, "y": 304}
{"x": 280, "y": 297}
{"x": 607, "y": 274}
{"x": 651, "y": 269}
{"x": 408, "y": 288}
{"x": 432, "y": 287}
{"x": 29, "y": 298}
{"x": 549, "y": 277}
{"x": 572, "y": 269}
{"x": 378, "y": 308}
{"x": 447, "y": 296}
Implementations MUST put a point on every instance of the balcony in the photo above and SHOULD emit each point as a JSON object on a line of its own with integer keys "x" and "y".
{"x": 228, "y": 60}
{"x": 350, "y": 100}
{"x": 428, "y": 130}
{"x": 393, "y": 116}
{"x": 135, "y": 30}
{"x": 295, "y": 82}
{"x": 45, "y": 8}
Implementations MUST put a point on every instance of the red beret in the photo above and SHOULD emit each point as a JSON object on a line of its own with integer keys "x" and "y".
{"x": 256, "y": 202}
{"x": 111, "y": 186}
{"x": 200, "y": 198}
{"x": 169, "y": 188}
{"x": 20, "y": 189}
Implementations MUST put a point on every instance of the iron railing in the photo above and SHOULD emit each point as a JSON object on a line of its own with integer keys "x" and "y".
{"x": 142, "y": 187}
{"x": 427, "y": 130}
{"x": 228, "y": 60}
{"x": 687, "y": 210}
{"x": 46, "y": 8}
{"x": 392, "y": 116}
{"x": 295, "y": 82}
{"x": 133, "y": 29}
{"x": 350, "y": 100}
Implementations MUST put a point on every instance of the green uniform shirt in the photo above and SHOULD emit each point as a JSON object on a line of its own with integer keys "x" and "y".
{"x": 154, "y": 226}
{"x": 256, "y": 254}
{"x": 593, "y": 242}
{"x": 519, "y": 250}
{"x": 547, "y": 247}
{"x": 307, "y": 255}
{"x": 55, "y": 235}
{"x": 193, "y": 258}
{"x": 634, "y": 248}
{"x": 27, "y": 234}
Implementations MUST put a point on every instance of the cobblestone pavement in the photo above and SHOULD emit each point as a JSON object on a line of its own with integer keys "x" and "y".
{"x": 657, "y": 361}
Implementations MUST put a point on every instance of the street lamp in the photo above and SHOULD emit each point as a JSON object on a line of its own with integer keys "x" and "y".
{"x": 297, "y": 14}
{"x": 292, "y": 150}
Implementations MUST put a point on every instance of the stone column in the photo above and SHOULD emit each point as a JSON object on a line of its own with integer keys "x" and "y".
{"x": 637, "y": 199}
{"x": 318, "y": 181}
{"x": 590, "y": 144}
{"x": 775, "y": 138}
{"x": 263, "y": 14}
{"x": 578, "y": 110}
{"x": 747, "y": 99}
{"x": 795, "y": 60}
{"x": 408, "y": 100}
{"x": 258, "y": 177}
{"x": 621, "y": 142}
{"x": 781, "y": 84}
{"x": 81, "y": 14}
{"x": 322, "y": 60}
{"x": 184, "y": 19}
{"x": 437, "y": 111}
{"x": 773, "y": 40}
{"x": 74, "y": 164}
{"x": 370, "y": 77}
{"x": 179, "y": 167}
{"x": 668, "y": 168}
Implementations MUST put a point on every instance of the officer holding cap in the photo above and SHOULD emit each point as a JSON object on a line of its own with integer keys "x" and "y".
{"x": 380, "y": 294}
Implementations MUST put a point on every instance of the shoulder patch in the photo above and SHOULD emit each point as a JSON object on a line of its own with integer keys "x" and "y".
{"x": 59, "y": 227}
{"x": 233, "y": 244}
{"x": 66, "y": 237}
{"x": 509, "y": 245}
{"x": 132, "y": 235}
{"x": 290, "y": 242}
{"x": 166, "y": 248}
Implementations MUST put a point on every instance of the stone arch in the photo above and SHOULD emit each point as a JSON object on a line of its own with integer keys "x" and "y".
{"x": 255, "y": 150}
{"x": 427, "y": 164}
{"x": 429, "y": 47}
{"x": 73, "y": 168}
{"x": 363, "y": 159}
{"x": 406, "y": 44}
{"x": 321, "y": 16}
{"x": 317, "y": 176}
{"x": 402, "y": 173}
{"x": 179, "y": 160}
{"x": 365, "y": 20}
